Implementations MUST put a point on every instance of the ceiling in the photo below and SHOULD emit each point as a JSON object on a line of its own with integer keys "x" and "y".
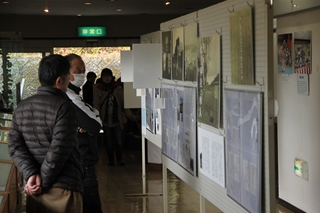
{"x": 102, "y": 7}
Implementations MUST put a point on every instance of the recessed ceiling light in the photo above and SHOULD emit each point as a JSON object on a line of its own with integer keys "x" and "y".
{"x": 5, "y": 2}
{"x": 119, "y": 10}
{"x": 79, "y": 14}
{"x": 46, "y": 10}
{"x": 167, "y": 3}
{"x": 88, "y": 3}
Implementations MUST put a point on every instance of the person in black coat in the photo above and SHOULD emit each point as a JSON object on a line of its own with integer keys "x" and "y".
{"x": 87, "y": 88}
{"x": 89, "y": 124}
{"x": 43, "y": 142}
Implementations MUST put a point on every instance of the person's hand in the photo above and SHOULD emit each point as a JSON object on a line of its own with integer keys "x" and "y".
{"x": 33, "y": 185}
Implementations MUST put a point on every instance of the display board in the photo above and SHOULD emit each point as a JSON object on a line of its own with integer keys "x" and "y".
{"x": 178, "y": 125}
{"x": 169, "y": 123}
{"x": 186, "y": 99}
{"x": 243, "y": 150}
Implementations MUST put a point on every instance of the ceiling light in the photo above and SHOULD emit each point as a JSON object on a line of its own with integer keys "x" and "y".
{"x": 5, "y": 2}
{"x": 46, "y": 10}
{"x": 87, "y": 3}
{"x": 119, "y": 10}
{"x": 79, "y": 14}
{"x": 167, "y": 3}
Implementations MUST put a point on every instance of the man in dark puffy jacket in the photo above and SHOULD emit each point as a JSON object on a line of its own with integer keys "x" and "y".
{"x": 43, "y": 144}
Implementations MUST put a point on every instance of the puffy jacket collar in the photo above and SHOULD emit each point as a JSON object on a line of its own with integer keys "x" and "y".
{"x": 52, "y": 91}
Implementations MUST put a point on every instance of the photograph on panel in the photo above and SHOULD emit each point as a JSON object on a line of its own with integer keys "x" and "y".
{"x": 186, "y": 99}
{"x": 243, "y": 114}
{"x": 302, "y": 52}
{"x": 241, "y": 43}
{"x": 150, "y": 109}
{"x": 169, "y": 122}
{"x": 177, "y": 53}
{"x": 191, "y": 52}
{"x": 285, "y": 54}
{"x": 157, "y": 111}
{"x": 166, "y": 54}
{"x": 209, "y": 81}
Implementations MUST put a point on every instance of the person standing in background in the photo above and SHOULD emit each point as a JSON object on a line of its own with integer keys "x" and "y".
{"x": 108, "y": 99}
{"x": 87, "y": 88}
{"x": 89, "y": 125}
{"x": 43, "y": 142}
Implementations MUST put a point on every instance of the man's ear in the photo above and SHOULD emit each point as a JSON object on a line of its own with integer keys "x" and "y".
{"x": 58, "y": 82}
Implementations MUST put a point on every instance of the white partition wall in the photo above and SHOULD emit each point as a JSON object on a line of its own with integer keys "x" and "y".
{"x": 126, "y": 66}
{"x": 215, "y": 20}
{"x": 298, "y": 119}
{"x": 146, "y": 65}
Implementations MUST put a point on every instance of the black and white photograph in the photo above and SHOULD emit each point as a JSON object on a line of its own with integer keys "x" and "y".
{"x": 209, "y": 81}
{"x": 166, "y": 54}
{"x": 191, "y": 52}
{"x": 177, "y": 54}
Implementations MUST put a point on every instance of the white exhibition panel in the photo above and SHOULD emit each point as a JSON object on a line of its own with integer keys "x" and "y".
{"x": 298, "y": 118}
{"x": 146, "y": 65}
{"x": 126, "y": 66}
{"x": 131, "y": 100}
{"x": 216, "y": 20}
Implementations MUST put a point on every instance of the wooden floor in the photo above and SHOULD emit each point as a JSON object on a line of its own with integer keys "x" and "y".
{"x": 121, "y": 186}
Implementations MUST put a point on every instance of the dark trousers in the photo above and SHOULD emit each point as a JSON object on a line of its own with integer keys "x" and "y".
{"x": 91, "y": 197}
{"x": 113, "y": 137}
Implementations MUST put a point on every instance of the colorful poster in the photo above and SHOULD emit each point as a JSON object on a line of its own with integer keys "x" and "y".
{"x": 241, "y": 38}
{"x": 285, "y": 53}
{"x": 302, "y": 52}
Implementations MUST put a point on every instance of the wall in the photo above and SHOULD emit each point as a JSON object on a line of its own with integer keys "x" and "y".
{"x": 299, "y": 120}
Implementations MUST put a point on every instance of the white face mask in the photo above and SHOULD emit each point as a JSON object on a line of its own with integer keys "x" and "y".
{"x": 78, "y": 80}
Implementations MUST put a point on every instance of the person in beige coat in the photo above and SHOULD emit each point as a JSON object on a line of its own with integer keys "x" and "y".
{"x": 108, "y": 99}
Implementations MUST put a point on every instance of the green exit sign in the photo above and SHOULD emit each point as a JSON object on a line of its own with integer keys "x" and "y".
{"x": 91, "y": 31}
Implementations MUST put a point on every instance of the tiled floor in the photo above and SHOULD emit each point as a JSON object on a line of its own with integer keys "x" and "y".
{"x": 120, "y": 186}
{"x": 118, "y": 181}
